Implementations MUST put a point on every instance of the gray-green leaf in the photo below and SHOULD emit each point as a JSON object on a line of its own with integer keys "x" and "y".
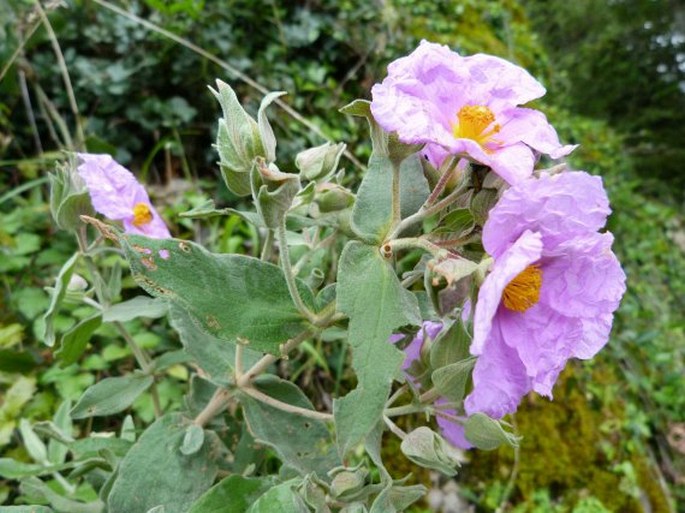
{"x": 212, "y": 288}
{"x": 486, "y": 433}
{"x": 155, "y": 472}
{"x": 303, "y": 443}
{"x": 111, "y": 395}
{"x": 370, "y": 294}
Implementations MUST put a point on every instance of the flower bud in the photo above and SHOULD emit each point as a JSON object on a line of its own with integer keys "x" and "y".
{"x": 68, "y": 196}
{"x": 332, "y": 198}
{"x": 319, "y": 162}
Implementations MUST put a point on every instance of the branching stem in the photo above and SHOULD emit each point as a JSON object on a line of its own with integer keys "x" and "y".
{"x": 290, "y": 408}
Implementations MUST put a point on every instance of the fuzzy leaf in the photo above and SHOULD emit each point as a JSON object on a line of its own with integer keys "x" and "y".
{"x": 232, "y": 495}
{"x": 370, "y": 294}
{"x": 212, "y": 289}
{"x": 156, "y": 473}
{"x": 303, "y": 443}
{"x": 111, "y": 395}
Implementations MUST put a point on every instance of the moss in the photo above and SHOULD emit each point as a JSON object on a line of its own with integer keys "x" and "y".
{"x": 573, "y": 447}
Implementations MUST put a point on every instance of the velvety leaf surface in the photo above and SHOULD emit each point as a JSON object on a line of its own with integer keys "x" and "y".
{"x": 304, "y": 444}
{"x": 139, "y": 306}
{"x": 213, "y": 289}
{"x": 232, "y": 495}
{"x": 214, "y": 356}
{"x": 156, "y": 473}
{"x": 280, "y": 499}
{"x": 372, "y": 212}
{"x": 111, "y": 395}
{"x": 370, "y": 294}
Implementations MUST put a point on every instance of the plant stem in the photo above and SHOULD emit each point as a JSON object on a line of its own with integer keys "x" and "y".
{"x": 80, "y": 138}
{"x": 268, "y": 245}
{"x": 304, "y": 412}
{"x": 426, "y": 211}
{"x": 389, "y": 247}
{"x": 396, "y": 196}
{"x": 268, "y": 359}
{"x": 238, "y": 361}
{"x": 404, "y": 410}
{"x": 215, "y": 405}
{"x": 289, "y": 276}
{"x": 442, "y": 182}
{"x": 394, "y": 428}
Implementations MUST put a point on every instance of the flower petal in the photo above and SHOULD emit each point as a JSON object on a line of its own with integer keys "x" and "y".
{"x": 112, "y": 187}
{"x": 525, "y": 251}
{"x": 582, "y": 277}
{"x": 543, "y": 340}
{"x": 532, "y": 128}
{"x": 558, "y": 206}
{"x": 499, "y": 379}
{"x": 505, "y": 83}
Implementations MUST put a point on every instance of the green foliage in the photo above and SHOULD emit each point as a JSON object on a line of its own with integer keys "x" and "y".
{"x": 366, "y": 279}
{"x": 188, "y": 275}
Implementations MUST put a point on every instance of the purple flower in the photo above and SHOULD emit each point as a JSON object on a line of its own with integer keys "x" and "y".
{"x": 467, "y": 106}
{"x": 116, "y": 194}
{"x": 551, "y": 292}
{"x": 453, "y": 433}
{"x": 413, "y": 350}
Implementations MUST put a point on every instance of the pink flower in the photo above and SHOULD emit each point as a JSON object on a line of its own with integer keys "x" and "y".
{"x": 551, "y": 292}
{"x": 466, "y": 106}
{"x": 116, "y": 194}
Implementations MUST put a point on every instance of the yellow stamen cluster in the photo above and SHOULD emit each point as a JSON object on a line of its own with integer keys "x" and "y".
{"x": 141, "y": 214}
{"x": 524, "y": 290}
{"x": 472, "y": 123}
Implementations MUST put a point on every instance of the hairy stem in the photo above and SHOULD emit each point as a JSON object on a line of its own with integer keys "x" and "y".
{"x": 215, "y": 406}
{"x": 289, "y": 276}
{"x": 396, "y": 207}
{"x": 304, "y": 412}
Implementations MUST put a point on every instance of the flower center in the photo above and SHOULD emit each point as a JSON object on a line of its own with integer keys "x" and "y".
{"x": 524, "y": 290}
{"x": 472, "y": 123}
{"x": 141, "y": 214}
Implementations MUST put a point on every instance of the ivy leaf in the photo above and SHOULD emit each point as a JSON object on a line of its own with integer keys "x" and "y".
{"x": 370, "y": 294}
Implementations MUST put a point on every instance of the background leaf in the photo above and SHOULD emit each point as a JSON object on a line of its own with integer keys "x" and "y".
{"x": 154, "y": 472}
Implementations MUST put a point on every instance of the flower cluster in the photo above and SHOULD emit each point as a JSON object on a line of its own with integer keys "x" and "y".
{"x": 116, "y": 194}
{"x": 554, "y": 282}
{"x": 466, "y": 106}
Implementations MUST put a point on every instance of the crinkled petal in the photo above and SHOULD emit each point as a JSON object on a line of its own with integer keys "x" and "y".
{"x": 532, "y": 128}
{"x": 114, "y": 192}
{"x": 506, "y": 84}
{"x": 514, "y": 163}
{"x": 112, "y": 187}
{"x": 452, "y": 431}
{"x": 499, "y": 379}
{"x": 419, "y": 97}
{"x": 582, "y": 277}
{"x": 543, "y": 340}
{"x": 524, "y": 252}
{"x": 596, "y": 332}
{"x": 558, "y": 206}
